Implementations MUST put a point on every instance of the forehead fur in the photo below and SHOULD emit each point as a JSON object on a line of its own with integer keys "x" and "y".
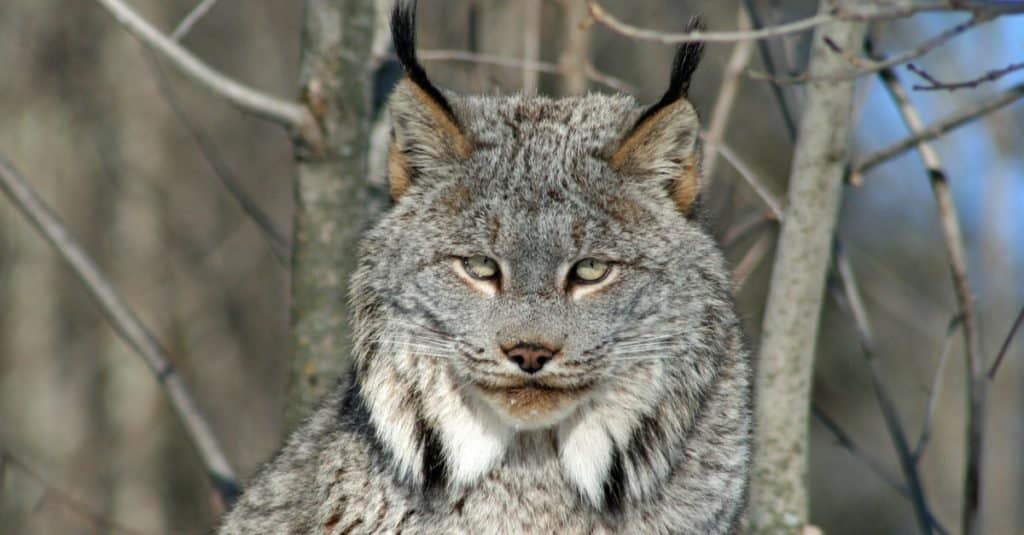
{"x": 589, "y": 122}
{"x": 524, "y": 142}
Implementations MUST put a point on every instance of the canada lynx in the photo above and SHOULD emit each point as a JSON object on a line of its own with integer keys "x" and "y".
{"x": 545, "y": 335}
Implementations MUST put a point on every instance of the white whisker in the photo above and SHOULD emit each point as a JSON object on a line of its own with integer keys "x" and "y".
{"x": 643, "y": 357}
{"x": 647, "y": 339}
{"x": 401, "y": 343}
{"x": 651, "y": 346}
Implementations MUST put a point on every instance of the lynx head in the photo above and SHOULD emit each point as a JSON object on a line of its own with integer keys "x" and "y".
{"x": 543, "y": 258}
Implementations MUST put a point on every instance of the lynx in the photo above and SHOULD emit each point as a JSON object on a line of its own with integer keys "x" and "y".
{"x": 545, "y": 338}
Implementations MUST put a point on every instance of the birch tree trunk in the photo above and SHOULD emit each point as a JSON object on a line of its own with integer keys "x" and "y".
{"x": 779, "y": 502}
{"x": 330, "y": 190}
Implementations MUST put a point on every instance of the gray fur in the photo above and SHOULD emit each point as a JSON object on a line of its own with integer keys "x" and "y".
{"x": 652, "y": 432}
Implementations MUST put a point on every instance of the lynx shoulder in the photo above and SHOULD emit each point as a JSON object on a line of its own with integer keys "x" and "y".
{"x": 545, "y": 335}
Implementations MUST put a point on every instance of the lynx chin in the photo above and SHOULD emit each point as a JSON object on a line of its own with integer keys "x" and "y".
{"x": 545, "y": 338}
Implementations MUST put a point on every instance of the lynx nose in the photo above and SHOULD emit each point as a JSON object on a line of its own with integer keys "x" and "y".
{"x": 530, "y": 357}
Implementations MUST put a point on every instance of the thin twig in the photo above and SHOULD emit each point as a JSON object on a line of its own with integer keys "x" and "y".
{"x": 846, "y": 441}
{"x": 741, "y": 167}
{"x": 955, "y": 120}
{"x": 607, "y": 80}
{"x": 284, "y": 112}
{"x": 574, "y": 59}
{"x": 127, "y": 326}
{"x": 886, "y": 402}
{"x": 863, "y": 67}
{"x": 852, "y": 293}
{"x": 531, "y": 43}
{"x": 1006, "y": 344}
{"x": 75, "y": 505}
{"x": 755, "y": 255}
{"x": 727, "y": 92}
{"x": 602, "y": 16}
{"x": 935, "y": 85}
{"x": 514, "y": 63}
{"x": 191, "y": 19}
{"x": 274, "y": 236}
{"x": 769, "y": 64}
{"x": 952, "y": 236}
{"x": 936, "y": 389}
{"x": 746, "y": 226}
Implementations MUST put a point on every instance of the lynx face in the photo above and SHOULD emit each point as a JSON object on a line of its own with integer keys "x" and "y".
{"x": 536, "y": 237}
{"x": 526, "y": 268}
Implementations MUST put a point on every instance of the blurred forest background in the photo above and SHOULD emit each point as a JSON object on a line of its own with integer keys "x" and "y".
{"x": 89, "y": 442}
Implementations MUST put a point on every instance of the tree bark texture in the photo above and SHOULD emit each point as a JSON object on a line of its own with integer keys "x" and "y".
{"x": 330, "y": 187}
{"x": 779, "y": 501}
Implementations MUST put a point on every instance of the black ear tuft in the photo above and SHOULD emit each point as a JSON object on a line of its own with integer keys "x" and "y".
{"x": 403, "y": 34}
{"x": 687, "y": 59}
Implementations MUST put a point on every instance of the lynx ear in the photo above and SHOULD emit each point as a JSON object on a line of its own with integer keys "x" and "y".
{"x": 426, "y": 131}
{"x": 664, "y": 142}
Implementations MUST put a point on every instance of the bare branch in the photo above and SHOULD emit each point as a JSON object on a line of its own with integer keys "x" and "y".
{"x": 952, "y": 236}
{"x": 746, "y": 226}
{"x": 290, "y": 114}
{"x": 935, "y": 85}
{"x": 332, "y": 195}
{"x": 1006, "y": 344}
{"x": 602, "y": 16}
{"x": 193, "y": 17}
{"x": 741, "y": 167}
{"x": 862, "y": 67}
{"x": 769, "y": 63}
{"x": 854, "y": 299}
{"x": 531, "y": 43}
{"x": 956, "y": 120}
{"x": 872, "y": 12}
{"x": 73, "y": 504}
{"x": 127, "y": 326}
{"x": 936, "y": 389}
{"x": 275, "y": 237}
{"x": 755, "y": 255}
{"x": 846, "y": 441}
{"x": 727, "y": 92}
{"x": 890, "y": 413}
{"x": 513, "y": 63}
{"x": 785, "y": 362}
{"x": 575, "y": 58}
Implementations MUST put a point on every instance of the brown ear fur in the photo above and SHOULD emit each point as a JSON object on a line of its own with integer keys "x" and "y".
{"x": 399, "y": 176}
{"x": 426, "y": 135}
{"x": 665, "y": 145}
{"x": 459, "y": 144}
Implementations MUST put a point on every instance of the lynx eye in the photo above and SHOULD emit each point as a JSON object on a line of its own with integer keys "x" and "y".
{"x": 590, "y": 271}
{"x": 480, "y": 267}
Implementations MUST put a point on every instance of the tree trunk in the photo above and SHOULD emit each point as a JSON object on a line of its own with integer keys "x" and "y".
{"x": 779, "y": 502}
{"x": 330, "y": 188}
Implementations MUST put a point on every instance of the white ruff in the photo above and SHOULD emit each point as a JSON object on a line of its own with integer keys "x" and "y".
{"x": 586, "y": 456}
{"x": 394, "y": 424}
{"x": 473, "y": 439}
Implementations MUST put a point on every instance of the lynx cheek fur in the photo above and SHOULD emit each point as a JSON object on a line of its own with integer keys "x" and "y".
{"x": 545, "y": 337}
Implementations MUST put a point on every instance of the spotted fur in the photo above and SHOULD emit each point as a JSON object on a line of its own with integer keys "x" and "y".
{"x": 642, "y": 421}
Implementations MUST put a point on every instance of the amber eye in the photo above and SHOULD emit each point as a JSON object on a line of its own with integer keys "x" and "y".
{"x": 590, "y": 271}
{"x": 480, "y": 267}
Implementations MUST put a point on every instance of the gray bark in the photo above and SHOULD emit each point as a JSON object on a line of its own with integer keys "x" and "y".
{"x": 330, "y": 190}
{"x": 780, "y": 502}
